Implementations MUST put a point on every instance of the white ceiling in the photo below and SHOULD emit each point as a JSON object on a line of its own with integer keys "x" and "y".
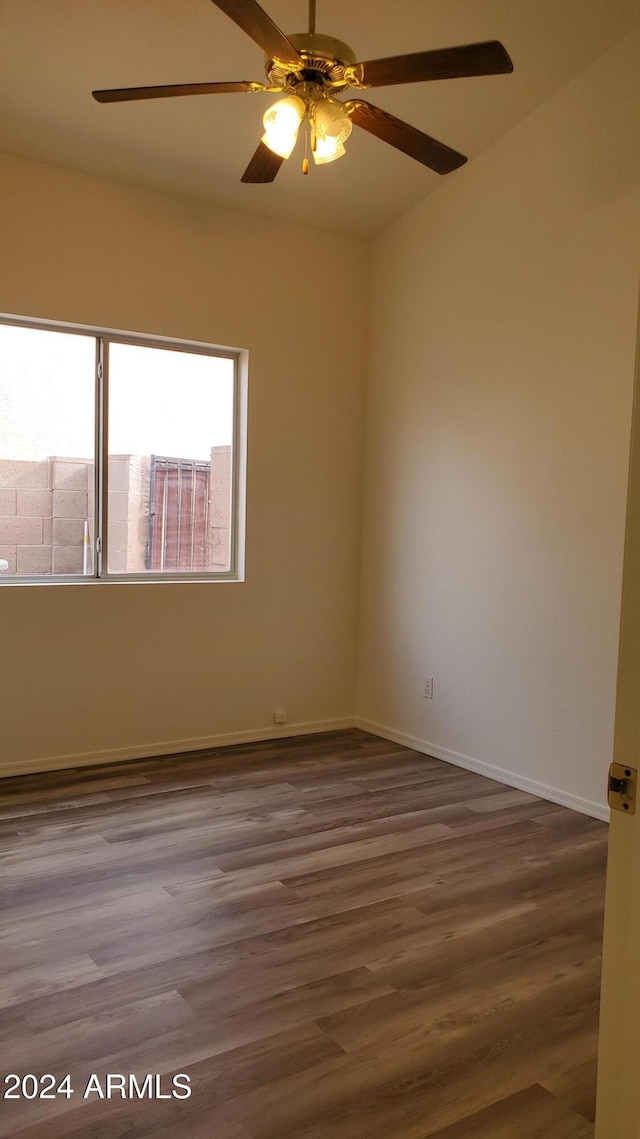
{"x": 54, "y": 52}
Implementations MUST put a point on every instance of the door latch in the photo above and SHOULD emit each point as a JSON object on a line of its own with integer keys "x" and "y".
{"x": 623, "y": 783}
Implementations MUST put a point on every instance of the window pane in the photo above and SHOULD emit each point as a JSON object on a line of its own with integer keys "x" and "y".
{"x": 170, "y": 470}
{"x": 47, "y": 414}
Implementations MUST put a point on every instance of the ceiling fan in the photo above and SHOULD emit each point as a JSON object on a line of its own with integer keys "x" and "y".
{"x": 310, "y": 69}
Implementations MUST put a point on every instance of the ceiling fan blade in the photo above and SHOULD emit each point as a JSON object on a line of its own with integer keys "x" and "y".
{"x": 127, "y": 94}
{"x": 404, "y": 137}
{"x": 263, "y": 166}
{"x": 488, "y": 58}
{"x": 253, "y": 20}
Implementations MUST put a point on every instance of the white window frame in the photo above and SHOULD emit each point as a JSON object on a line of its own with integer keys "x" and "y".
{"x": 100, "y": 573}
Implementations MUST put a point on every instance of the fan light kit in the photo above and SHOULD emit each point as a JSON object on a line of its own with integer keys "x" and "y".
{"x": 309, "y": 70}
{"x": 329, "y": 122}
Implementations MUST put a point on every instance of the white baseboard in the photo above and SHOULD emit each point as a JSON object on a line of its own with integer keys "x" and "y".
{"x": 171, "y": 747}
{"x": 563, "y": 798}
{"x": 256, "y": 735}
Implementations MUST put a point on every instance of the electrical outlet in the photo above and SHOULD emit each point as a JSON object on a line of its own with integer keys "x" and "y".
{"x": 427, "y": 690}
{"x": 280, "y": 716}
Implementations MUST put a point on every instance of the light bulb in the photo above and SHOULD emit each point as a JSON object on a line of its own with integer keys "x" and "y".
{"x": 333, "y": 127}
{"x": 327, "y": 150}
{"x": 282, "y": 123}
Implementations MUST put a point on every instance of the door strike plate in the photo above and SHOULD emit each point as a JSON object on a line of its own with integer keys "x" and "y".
{"x": 623, "y": 782}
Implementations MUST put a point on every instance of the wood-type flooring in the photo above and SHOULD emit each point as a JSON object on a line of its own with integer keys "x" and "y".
{"x": 333, "y": 936}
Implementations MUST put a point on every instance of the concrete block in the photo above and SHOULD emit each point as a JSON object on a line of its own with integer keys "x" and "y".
{"x": 34, "y": 559}
{"x": 118, "y": 535}
{"x": 8, "y": 554}
{"x": 21, "y": 531}
{"x": 220, "y": 487}
{"x": 118, "y": 506}
{"x": 117, "y": 561}
{"x": 219, "y": 549}
{"x": 67, "y": 532}
{"x": 67, "y": 559}
{"x": 16, "y": 472}
{"x": 34, "y": 503}
{"x": 118, "y": 475}
{"x": 140, "y": 475}
{"x": 47, "y": 531}
{"x": 69, "y": 504}
{"x": 7, "y": 502}
{"x": 71, "y": 474}
{"x": 118, "y": 542}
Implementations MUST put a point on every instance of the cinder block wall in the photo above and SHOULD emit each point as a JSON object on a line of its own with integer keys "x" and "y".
{"x": 43, "y": 506}
{"x": 128, "y": 512}
{"x": 72, "y": 482}
{"x": 219, "y": 513}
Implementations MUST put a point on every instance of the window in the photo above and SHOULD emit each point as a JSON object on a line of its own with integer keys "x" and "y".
{"x": 119, "y": 457}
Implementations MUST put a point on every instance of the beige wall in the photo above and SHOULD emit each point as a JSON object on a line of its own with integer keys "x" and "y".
{"x": 503, "y": 330}
{"x": 86, "y": 668}
{"x": 501, "y": 346}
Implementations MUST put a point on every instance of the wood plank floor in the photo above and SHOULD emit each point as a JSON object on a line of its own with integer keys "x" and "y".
{"x": 332, "y": 936}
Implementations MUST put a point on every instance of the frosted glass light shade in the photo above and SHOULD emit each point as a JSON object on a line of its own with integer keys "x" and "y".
{"x": 282, "y": 123}
{"x": 327, "y": 150}
{"x": 333, "y": 127}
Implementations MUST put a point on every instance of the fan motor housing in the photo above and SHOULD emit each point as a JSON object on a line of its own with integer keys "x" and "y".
{"x": 325, "y": 60}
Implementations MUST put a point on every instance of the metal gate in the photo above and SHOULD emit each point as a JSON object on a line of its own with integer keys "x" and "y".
{"x": 178, "y": 514}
